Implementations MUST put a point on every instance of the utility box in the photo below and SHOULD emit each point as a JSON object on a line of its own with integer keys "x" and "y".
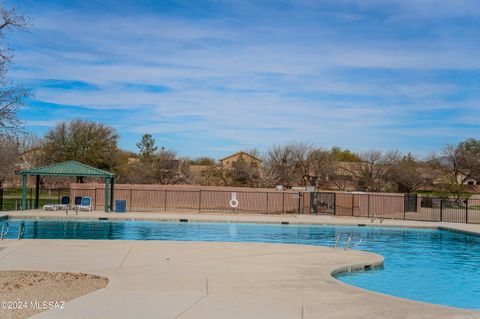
{"x": 120, "y": 206}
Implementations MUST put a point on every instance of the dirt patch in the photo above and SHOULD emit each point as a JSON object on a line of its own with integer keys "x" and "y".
{"x": 25, "y": 293}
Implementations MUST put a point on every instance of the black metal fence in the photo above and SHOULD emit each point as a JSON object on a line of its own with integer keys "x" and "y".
{"x": 11, "y": 198}
{"x": 370, "y": 205}
{"x": 408, "y": 207}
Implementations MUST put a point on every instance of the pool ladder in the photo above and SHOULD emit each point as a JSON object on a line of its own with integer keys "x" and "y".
{"x": 21, "y": 231}
{"x": 4, "y": 232}
{"x": 348, "y": 240}
{"x": 6, "y": 228}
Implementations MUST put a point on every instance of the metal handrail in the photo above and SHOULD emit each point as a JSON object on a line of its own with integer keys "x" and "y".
{"x": 381, "y": 219}
{"x": 4, "y": 231}
{"x": 349, "y": 240}
{"x": 339, "y": 236}
{"x": 21, "y": 231}
{"x": 359, "y": 242}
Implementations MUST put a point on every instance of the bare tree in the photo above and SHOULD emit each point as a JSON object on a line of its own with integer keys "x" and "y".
{"x": 313, "y": 165}
{"x": 216, "y": 175}
{"x": 30, "y": 150}
{"x": 459, "y": 164}
{"x": 243, "y": 173}
{"x": 12, "y": 96}
{"x": 9, "y": 156}
{"x": 303, "y": 162}
{"x": 167, "y": 169}
{"x": 374, "y": 172}
{"x": 280, "y": 165}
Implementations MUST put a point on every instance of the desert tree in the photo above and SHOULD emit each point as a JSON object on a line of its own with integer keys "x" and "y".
{"x": 87, "y": 142}
{"x": 12, "y": 96}
{"x": 406, "y": 175}
{"x": 343, "y": 155}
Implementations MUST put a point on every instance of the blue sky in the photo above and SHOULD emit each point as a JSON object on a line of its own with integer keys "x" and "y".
{"x": 213, "y": 77}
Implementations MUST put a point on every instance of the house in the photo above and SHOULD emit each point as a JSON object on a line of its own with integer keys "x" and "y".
{"x": 248, "y": 158}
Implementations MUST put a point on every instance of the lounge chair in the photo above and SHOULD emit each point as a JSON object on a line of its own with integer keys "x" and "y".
{"x": 86, "y": 204}
{"x": 50, "y": 207}
{"x": 77, "y": 201}
{"x": 64, "y": 203}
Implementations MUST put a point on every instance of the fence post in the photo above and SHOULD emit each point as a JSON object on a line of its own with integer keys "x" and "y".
{"x": 131, "y": 198}
{"x": 200, "y": 200}
{"x": 166, "y": 200}
{"x": 441, "y": 209}
{"x": 95, "y": 199}
{"x": 368, "y": 204}
{"x": 353, "y": 204}
{"x": 299, "y": 199}
{"x": 1, "y": 199}
{"x": 466, "y": 210}
{"x": 267, "y": 203}
{"x": 283, "y": 202}
{"x": 334, "y": 204}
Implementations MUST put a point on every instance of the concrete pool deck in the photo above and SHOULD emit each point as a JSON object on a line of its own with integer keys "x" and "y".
{"x": 168, "y": 279}
{"x": 159, "y": 279}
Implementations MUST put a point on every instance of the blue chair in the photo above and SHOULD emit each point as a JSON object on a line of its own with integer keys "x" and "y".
{"x": 64, "y": 203}
{"x": 85, "y": 204}
{"x": 77, "y": 201}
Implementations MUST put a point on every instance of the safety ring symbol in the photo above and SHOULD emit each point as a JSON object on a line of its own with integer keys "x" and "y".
{"x": 234, "y": 203}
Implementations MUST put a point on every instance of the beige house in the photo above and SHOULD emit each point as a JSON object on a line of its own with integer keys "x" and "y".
{"x": 249, "y": 159}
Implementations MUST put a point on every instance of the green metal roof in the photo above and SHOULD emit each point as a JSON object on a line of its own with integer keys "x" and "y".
{"x": 70, "y": 168}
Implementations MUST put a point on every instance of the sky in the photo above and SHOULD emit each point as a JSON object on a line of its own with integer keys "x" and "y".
{"x": 214, "y": 77}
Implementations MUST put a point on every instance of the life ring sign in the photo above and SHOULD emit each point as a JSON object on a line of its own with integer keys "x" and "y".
{"x": 234, "y": 201}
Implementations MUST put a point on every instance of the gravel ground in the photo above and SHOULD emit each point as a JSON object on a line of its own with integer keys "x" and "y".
{"x": 25, "y": 293}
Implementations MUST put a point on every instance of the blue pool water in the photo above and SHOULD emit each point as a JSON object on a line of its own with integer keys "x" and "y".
{"x": 427, "y": 265}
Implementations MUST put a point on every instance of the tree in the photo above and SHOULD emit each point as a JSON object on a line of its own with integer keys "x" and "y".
{"x": 345, "y": 155}
{"x": 406, "y": 175}
{"x": 147, "y": 147}
{"x": 312, "y": 165}
{"x": 374, "y": 172}
{"x": 12, "y": 96}
{"x": 243, "y": 173}
{"x": 280, "y": 165}
{"x": 167, "y": 169}
{"x": 203, "y": 160}
{"x": 30, "y": 150}
{"x": 458, "y": 165}
{"x": 162, "y": 167}
{"x": 9, "y": 155}
{"x": 87, "y": 142}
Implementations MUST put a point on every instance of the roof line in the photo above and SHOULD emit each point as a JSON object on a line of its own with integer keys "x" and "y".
{"x": 241, "y": 152}
{"x": 44, "y": 170}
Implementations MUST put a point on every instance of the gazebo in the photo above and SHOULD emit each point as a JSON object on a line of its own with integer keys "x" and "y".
{"x": 70, "y": 169}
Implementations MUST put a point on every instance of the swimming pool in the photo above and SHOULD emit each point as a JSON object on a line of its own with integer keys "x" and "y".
{"x": 434, "y": 266}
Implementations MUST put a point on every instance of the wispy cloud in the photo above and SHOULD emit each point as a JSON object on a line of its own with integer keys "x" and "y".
{"x": 215, "y": 76}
